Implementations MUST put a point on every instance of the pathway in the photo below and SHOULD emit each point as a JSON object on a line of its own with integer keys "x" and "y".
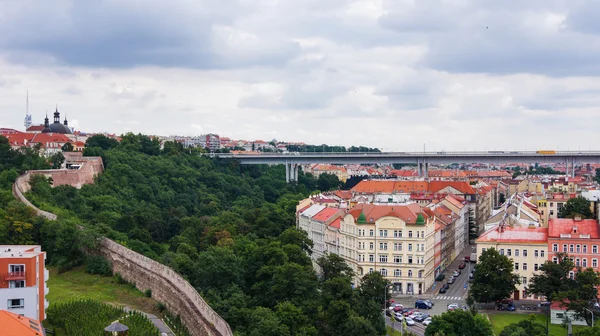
{"x": 158, "y": 323}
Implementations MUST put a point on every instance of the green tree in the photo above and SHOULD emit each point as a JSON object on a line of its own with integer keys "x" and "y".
{"x": 595, "y": 331}
{"x": 294, "y": 318}
{"x": 334, "y": 266}
{"x": 473, "y": 227}
{"x": 526, "y": 327}
{"x": 577, "y": 206}
{"x": 101, "y": 141}
{"x": 372, "y": 288}
{"x": 459, "y": 323}
{"x": 57, "y": 160}
{"x": 494, "y": 279}
{"x": 597, "y": 177}
{"x": 67, "y": 147}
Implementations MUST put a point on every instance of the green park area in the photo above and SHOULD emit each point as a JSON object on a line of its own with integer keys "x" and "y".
{"x": 501, "y": 320}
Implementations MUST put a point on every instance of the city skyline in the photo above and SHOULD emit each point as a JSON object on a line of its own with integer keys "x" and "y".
{"x": 460, "y": 76}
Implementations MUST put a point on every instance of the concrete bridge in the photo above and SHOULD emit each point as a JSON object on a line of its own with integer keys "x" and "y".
{"x": 420, "y": 159}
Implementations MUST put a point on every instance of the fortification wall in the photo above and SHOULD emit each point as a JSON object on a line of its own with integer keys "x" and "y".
{"x": 168, "y": 287}
{"x": 22, "y": 186}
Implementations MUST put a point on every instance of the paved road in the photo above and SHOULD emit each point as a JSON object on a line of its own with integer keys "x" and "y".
{"x": 158, "y": 323}
{"x": 418, "y": 329}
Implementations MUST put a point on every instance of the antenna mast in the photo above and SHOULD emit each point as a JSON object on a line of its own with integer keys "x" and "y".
{"x": 27, "y": 122}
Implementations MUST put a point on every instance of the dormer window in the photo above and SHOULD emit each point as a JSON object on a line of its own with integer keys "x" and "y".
{"x": 574, "y": 229}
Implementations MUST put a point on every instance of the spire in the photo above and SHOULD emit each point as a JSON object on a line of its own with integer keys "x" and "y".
{"x": 66, "y": 123}
{"x": 27, "y": 121}
{"x": 56, "y": 116}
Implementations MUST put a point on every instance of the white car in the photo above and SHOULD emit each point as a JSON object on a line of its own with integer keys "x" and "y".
{"x": 427, "y": 321}
{"x": 453, "y": 306}
{"x": 398, "y": 316}
{"x": 409, "y": 321}
{"x": 415, "y": 314}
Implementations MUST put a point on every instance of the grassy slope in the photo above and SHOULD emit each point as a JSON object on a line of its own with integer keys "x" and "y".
{"x": 76, "y": 284}
{"x": 501, "y": 320}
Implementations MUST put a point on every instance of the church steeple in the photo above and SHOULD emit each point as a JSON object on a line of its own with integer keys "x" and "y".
{"x": 46, "y": 121}
{"x": 56, "y": 116}
{"x": 66, "y": 123}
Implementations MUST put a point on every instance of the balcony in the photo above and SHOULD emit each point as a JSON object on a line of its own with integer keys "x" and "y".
{"x": 15, "y": 276}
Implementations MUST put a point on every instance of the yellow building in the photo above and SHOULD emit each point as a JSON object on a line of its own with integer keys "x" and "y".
{"x": 526, "y": 246}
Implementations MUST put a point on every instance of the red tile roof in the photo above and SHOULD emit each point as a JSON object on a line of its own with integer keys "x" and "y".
{"x": 343, "y": 194}
{"x": 35, "y": 128}
{"x": 407, "y": 213}
{"x": 327, "y": 213}
{"x": 336, "y": 223}
{"x": 515, "y": 234}
{"x": 17, "y": 325}
{"x": 462, "y": 186}
{"x": 558, "y": 226}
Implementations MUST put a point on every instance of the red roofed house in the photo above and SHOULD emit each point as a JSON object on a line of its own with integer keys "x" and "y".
{"x": 16, "y": 325}
{"x": 526, "y": 246}
{"x": 580, "y": 238}
{"x": 398, "y": 241}
{"x": 50, "y": 143}
{"x": 315, "y": 221}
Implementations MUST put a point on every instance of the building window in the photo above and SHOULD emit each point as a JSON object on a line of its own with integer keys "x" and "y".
{"x": 572, "y": 275}
{"x": 535, "y": 253}
{"x": 410, "y": 259}
{"x": 524, "y": 280}
{"x": 383, "y": 272}
{"x": 383, "y": 258}
{"x": 524, "y": 266}
{"x": 371, "y": 258}
{"x": 410, "y": 273}
{"x": 501, "y": 251}
{"x": 516, "y": 252}
{"x": 422, "y": 234}
{"x": 370, "y": 270}
{"x": 16, "y": 303}
{"x": 516, "y": 266}
{"x": 508, "y": 252}
{"x": 410, "y": 247}
{"x": 397, "y": 233}
{"x": 524, "y": 253}
{"x": 595, "y": 249}
{"x": 555, "y": 260}
{"x": 16, "y": 284}
{"x": 594, "y": 263}
{"x": 584, "y": 248}
{"x": 554, "y": 247}
{"x": 577, "y": 262}
{"x": 397, "y": 246}
{"x": 578, "y": 248}
{"x": 397, "y": 273}
{"x": 371, "y": 232}
{"x": 571, "y": 248}
{"x": 565, "y": 248}
{"x": 383, "y": 246}
{"x": 398, "y": 259}
{"x": 542, "y": 253}
{"x": 483, "y": 250}
{"x": 584, "y": 262}
{"x": 383, "y": 233}
{"x": 409, "y": 234}
{"x": 535, "y": 267}
{"x": 371, "y": 246}
{"x": 361, "y": 257}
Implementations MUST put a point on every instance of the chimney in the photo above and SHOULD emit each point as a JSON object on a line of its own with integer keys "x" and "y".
{"x": 577, "y": 219}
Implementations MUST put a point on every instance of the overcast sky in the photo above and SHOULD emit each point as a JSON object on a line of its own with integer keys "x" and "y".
{"x": 454, "y": 74}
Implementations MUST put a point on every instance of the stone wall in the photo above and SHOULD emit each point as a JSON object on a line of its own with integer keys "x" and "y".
{"x": 167, "y": 287}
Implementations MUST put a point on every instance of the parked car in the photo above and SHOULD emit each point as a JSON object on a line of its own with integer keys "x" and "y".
{"x": 450, "y": 281}
{"x": 423, "y": 304}
{"x": 462, "y": 265}
{"x": 444, "y": 288}
{"x": 421, "y": 318}
{"x": 427, "y": 321}
{"x": 511, "y": 306}
{"x": 409, "y": 312}
{"x": 415, "y": 315}
{"x": 453, "y": 306}
{"x": 409, "y": 321}
{"x": 398, "y": 316}
{"x": 455, "y": 274}
{"x": 389, "y": 312}
{"x": 396, "y": 307}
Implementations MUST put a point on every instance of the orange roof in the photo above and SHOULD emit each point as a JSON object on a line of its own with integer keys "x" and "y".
{"x": 343, "y": 194}
{"x": 407, "y": 213}
{"x": 336, "y": 223}
{"x": 462, "y": 186}
{"x": 558, "y": 226}
{"x": 447, "y": 173}
{"x": 389, "y": 186}
{"x": 17, "y": 325}
{"x": 515, "y": 234}
{"x": 35, "y": 128}
{"x": 326, "y": 214}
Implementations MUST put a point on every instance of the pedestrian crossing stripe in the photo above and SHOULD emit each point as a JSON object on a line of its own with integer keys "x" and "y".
{"x": 448, "y": 298}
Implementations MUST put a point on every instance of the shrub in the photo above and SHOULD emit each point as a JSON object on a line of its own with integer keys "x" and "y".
{"x": 148, "y": 292}
{"x": 160, "y": 307}
{"x": 120, "y": 279}
{"x": 98, "y": 265}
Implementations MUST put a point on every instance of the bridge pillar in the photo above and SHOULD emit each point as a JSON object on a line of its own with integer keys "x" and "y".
{"x": 567, "y": 173}
{"x": 573, "y": 165}
{"x": 418, "y": 167}
{"x": 291, "y": 172}
{"x": 287, "y": 172}
{"x": 426, "y": 170}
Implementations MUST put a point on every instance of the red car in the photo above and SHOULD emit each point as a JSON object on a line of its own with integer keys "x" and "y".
{"x": 461, "y": 266}
{"x": 410, "y": 312}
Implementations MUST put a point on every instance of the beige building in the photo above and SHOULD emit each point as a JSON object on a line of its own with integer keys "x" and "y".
{"x": 526, "y": 246}
{"x": 397, "y": 241}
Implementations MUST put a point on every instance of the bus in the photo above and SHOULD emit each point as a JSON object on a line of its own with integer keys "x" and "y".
{"x": 546, "y": 152}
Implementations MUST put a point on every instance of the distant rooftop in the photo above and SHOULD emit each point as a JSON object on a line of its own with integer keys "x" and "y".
{"x": 19, "y": 251}
{"x": 515, "y": 234}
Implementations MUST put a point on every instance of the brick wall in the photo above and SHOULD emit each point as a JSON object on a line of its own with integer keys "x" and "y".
{"x": 21, "y": 186}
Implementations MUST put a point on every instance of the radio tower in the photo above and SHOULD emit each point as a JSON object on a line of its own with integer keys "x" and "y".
{"x": 27, "y": 122}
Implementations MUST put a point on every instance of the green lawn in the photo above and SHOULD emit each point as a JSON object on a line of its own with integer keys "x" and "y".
{"x": 76, "y": 284}
{"x": 501, "y": 320}
{"x": 392, "y": 332}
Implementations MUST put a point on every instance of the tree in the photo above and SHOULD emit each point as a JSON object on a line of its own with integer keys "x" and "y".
{"x": 459, "y": 323}
{"x": 67, "y": 147}
{"x": 555, "y": 283}
{"x": 473, "y": 228}
{"x": 334, "y": 266}
{"x": 494, "y": 279}
{"x": 526, "y": 327}
{"x": 595, "y": 331}
{"x": 576, "y": 207}
{"x": 57, "y": 160}
{"x": 101, "y": 141}
{"x": 372, "y": 287}
{"x": 597, "y": 177}
{"x": 327, "y": 182}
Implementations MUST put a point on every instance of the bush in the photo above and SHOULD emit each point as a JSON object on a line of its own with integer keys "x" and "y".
{"x": 120, "y": 279}
{"x": 98, "y": 265}
{"x": 148, "y": 292}
{"x": 160, "y": 307}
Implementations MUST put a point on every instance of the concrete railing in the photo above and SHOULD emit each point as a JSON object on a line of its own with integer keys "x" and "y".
{"x": 167, "y": 286}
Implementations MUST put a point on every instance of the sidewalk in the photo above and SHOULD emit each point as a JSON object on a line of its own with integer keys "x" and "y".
{"x": 453, "y": 267}
{"x": 158, "y": 323}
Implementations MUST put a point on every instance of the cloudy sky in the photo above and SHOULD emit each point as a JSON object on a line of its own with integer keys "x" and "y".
{"x": 451, "y": 74}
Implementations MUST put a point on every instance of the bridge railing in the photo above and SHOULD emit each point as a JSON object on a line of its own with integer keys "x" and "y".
{"x": 419, "y": 154}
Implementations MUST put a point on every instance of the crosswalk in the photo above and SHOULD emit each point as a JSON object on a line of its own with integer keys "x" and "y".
{"x": 451, "y": 298}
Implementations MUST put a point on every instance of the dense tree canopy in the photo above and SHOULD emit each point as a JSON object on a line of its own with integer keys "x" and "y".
{"x": 494, "y": 279}
{"x": 527, "y": 327}
{"x": 227, "y": 228}
{"x": 459, "y": 323}
{"x": 577, "y": 206}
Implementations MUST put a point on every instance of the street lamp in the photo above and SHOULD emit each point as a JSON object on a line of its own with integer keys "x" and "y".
{"x": 385, "y": 296}
{"x": 591, "y": 312}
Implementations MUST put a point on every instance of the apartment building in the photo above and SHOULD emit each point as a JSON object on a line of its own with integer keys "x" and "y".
{"x": 526, "y": 246}
{"x": 580, "y": 238}
{"x": 397, "y": 241}
{"x": 550, "y": 207}
{"x": 23, "y": 277}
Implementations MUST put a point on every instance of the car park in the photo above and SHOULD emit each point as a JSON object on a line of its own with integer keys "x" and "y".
{"x": 409, "y": 321}
{"x": 421, "y": 317}
{"x": 427, "y": 321}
